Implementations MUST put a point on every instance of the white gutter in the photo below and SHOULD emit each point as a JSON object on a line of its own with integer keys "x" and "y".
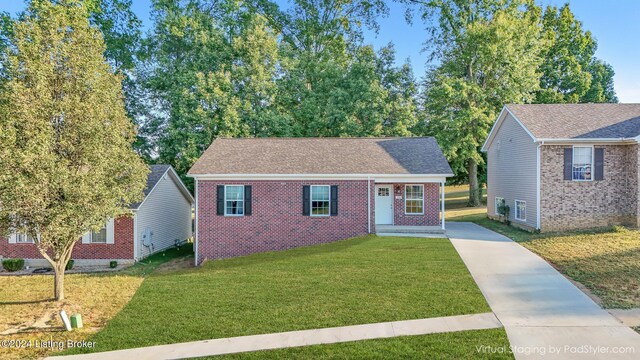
{"x": 400, "y": 177}
{"x": 368, "y": 205}
{"x": 538, "y": 171}
{"x": 589, "y": 140}
{"x": 442, "y": 187}
{"x": 195, "y": 243}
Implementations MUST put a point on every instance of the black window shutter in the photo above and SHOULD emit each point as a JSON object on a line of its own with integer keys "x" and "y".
{"x": 599, "y": 164}
{"x": 334, "y": 200}
{"x": 568, "y": 163}
{"x": 220, "y": 200}
{"x": 247, "y": 200}
{"x": 306, "y": 200}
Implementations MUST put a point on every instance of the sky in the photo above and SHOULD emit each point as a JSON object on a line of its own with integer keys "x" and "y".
{"x": 615, "y": 24}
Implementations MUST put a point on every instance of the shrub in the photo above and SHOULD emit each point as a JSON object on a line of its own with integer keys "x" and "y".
{"x": 619, "y": 229}
{"x": 504, "y": 210}
{"x": 69, "y": 265}
{"x": 13, "y": 264}
{"x": 113, "y": 264}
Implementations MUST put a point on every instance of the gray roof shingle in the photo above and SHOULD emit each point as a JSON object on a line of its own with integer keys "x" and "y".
{"x": 579, "y": 121}
{"x": 409, "y": 155}
{"x": 155, "y": 174}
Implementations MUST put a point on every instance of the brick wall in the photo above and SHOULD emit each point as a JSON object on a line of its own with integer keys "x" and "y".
{"x": 277, "y": 222}
{"x": 431, "y": 216}
{"x": 122, "y": 248}
{"x": 566, "y": 204}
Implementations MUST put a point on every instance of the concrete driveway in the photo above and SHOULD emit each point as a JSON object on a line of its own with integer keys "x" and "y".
{"x": 544, "y": 314}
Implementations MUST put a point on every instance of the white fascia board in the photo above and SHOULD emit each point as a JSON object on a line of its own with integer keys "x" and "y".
{"x": 570, "y": 141}
{"x": 376, "y": 177}
{"x": 498, "y": 123}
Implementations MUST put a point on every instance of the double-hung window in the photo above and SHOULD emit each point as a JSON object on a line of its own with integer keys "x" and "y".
{"x": 24, "y": 239}
{"x": 521, "y": 210}
{"x": 414, "y": 199}
{"x": 234, "y": 200}
{"x": 582, "y": 163}
{"x": 320, "y": 200}
{"x": 99, "y": 237}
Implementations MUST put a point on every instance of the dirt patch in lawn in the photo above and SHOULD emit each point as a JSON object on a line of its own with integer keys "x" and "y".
{"x": 29, "y": 314}
{"x": 176, "y": 264}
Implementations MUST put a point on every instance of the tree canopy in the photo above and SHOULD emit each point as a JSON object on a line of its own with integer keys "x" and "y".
{"x": 65, "y": 139}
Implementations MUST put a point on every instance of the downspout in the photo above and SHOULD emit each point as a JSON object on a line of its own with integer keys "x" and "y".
{"x": 368, "y": 204}
{"x": 538, "y": 158}
{"x": 442, "y": 200}
{"x": 195, "y": 243}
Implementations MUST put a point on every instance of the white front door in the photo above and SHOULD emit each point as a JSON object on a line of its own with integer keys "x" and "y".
{"x": 384, "y": 205}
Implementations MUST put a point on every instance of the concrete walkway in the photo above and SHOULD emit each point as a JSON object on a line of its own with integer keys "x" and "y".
{"x": 544, "y": 314}
{"x": 300, "y": 338}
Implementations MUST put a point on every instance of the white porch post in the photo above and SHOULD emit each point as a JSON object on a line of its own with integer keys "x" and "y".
{"x": 442, "y": 201}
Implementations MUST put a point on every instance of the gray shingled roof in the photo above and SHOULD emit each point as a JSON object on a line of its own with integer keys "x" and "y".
{"x": 579, "y": 121}
{"x": 415, "y": 155}
{"x": 154, "y": 176}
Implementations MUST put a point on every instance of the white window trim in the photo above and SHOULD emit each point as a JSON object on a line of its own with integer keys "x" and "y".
{"x": 106, "y": 236}
{"x": 18, "y": 235}
{"x": 515, "y": 203}
{"x": 495, "y": 203}
{"x": 110, "y": 225}
{"x": 311, "y": 201}
{"x": 225, "y": 200}
{"x": 405, "y": 199}
{"x": 593, "y": 161}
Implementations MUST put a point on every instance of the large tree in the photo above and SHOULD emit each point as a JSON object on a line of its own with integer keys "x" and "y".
{"x": 487, "y": 53}
{"x": 65, "y": 140}
{"x": 570, "y": 71}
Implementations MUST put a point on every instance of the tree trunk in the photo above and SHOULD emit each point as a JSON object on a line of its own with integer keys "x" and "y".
{"x": 474, "y": 191}
{"x": 58, "y": 281}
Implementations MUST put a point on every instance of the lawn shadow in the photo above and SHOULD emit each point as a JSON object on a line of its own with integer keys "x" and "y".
{"x": 26, "y": 302}
{"x": 286, "y": 254}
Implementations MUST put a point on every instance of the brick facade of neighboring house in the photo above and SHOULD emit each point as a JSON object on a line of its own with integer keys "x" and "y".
{"x": 121, "y": 249}
{"x": 579, "y": 162}
{"x": 271, "y": 206}
{"x": 569, "y": 205}
{"x": 154, "y": 224}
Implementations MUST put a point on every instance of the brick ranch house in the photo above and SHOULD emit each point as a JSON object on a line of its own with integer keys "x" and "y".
{"x": 163, "y": 217}
{"x": 565, "y": 166}
{"x": 265, "y": 194}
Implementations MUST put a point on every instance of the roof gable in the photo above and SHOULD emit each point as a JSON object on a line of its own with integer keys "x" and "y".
{"x": 579, "y": 121}
{"x": 305, "y": 156}
{"x": 157, "y": 173}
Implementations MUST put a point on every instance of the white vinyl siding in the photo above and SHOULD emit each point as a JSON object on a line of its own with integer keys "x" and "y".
{"x": 512, "y": 170}
{"x": 166, "y": 213}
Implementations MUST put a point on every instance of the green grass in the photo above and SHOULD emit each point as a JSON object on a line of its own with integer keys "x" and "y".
{"x": 455, "y": 345}
{"x": 148, "y": 265}
{"x": 605, "y": 260}
{"x": 457, "y": 196}
{"x": 356, "y": 281}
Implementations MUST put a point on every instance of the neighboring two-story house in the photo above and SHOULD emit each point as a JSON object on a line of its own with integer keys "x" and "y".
{"x": 565, "y": 166}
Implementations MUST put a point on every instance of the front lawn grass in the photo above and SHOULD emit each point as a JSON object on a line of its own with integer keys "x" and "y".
{"x": 454, "y": 345}
{"x": 26, "y": 303}
{"x": 356, "y": 281}
{"x": 605, "y": 260}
